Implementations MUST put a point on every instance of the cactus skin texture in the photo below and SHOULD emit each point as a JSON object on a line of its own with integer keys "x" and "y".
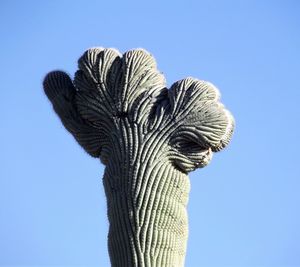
{"x": 149, "y": 138}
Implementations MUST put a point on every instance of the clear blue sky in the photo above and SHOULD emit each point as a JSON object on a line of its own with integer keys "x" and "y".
{"x": 244, "y": 208}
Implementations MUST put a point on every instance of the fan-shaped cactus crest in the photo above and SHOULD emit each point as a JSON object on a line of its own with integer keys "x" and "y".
{"x": 149, "y": 138}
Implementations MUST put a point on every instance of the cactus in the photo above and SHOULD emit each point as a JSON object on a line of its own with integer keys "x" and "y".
{"x": 149, "y": 138}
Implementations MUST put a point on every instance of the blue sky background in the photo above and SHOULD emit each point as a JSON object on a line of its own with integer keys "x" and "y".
{"x": 244, "y": 208}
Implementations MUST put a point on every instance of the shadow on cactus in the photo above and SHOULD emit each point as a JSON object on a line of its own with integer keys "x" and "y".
{"x": 149, "y": 138}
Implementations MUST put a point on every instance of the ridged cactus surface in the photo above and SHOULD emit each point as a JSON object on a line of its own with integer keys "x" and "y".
{"x": 149, "y": 138}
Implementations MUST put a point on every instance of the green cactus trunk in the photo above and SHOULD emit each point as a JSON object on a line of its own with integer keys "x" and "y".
{"x": 146, "y": 198}
{"x": 119, "y": 109}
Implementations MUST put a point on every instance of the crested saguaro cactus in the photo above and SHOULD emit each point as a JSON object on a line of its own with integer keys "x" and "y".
{"x": 149, "y": 138}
